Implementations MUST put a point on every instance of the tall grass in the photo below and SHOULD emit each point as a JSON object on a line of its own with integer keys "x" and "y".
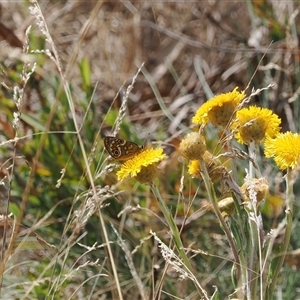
{"x": 75, "y": 231}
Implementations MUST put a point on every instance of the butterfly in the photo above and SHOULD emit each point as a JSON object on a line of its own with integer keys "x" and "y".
{"x": 121, "y": 149}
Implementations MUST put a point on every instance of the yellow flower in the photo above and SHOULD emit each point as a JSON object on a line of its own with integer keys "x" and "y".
{"x": 194, "y": 168}
{"x": 254, "y": 123}
{"x": 285, "y": 149}
{"x": 143, "y": 166}
{"x": 214, "y": 167}
{"x": 220, "y": 109}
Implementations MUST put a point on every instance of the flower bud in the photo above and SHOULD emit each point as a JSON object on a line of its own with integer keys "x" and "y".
{"x": 192, "y": 146}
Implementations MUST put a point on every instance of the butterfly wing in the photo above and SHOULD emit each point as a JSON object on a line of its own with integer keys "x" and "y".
{"x": 121, "y": 149}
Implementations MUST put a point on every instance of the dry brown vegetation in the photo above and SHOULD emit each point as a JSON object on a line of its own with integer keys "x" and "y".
{"x": 174, "y": 40}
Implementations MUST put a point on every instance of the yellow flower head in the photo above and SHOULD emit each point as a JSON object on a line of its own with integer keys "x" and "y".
{"x": 220, "y": 109}
{"x": 194, "y": 168}
{"x": 143, "y": 166}
{"x": 253, "y": 124}
{"x": 214, "y": 167}
{"x": 285, "y": 149}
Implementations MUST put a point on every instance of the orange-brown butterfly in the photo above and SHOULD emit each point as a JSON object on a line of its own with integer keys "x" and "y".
{"x": 121, "y": 149}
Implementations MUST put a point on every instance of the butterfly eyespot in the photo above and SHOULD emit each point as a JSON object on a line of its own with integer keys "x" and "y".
{"x": 116, "y": 152}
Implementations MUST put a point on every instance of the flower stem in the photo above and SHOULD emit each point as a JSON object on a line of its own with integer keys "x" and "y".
{"x": 255, "y": 232}
{"x": 288, "y": 231}
{"x": 214, "y": 202}
{"x": 176, "y": 236}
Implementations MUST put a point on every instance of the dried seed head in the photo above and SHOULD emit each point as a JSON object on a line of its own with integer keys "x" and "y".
{"x": 255, "y": 189}
{"x": 192, "y": 146}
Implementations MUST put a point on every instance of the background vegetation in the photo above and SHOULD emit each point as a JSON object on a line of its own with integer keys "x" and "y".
{"x": 62, "y": 87}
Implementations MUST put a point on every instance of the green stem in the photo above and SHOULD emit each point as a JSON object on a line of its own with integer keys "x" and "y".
{"x": 252, "y": 284}
{"x": 254, "y": 233}
{"x": 214, "y": 202}
{"x": 288, "y": 231}
{"x": 176, "y": 236}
